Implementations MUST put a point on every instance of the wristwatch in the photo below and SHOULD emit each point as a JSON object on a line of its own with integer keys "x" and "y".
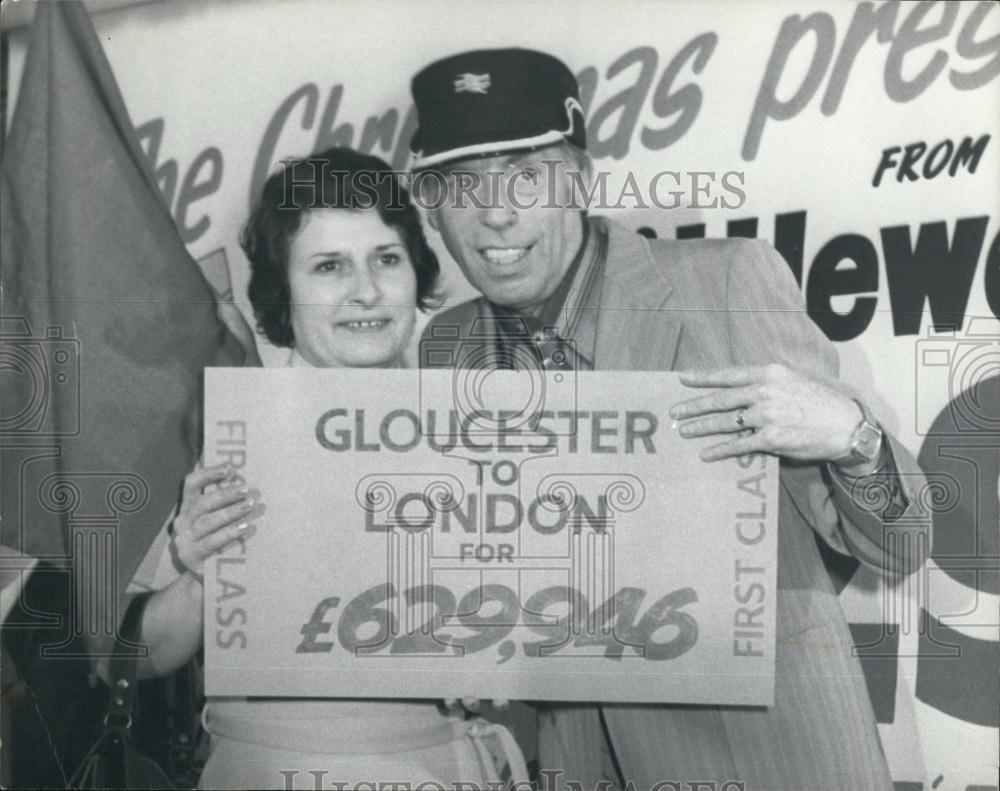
{"x": 866, "y": 440}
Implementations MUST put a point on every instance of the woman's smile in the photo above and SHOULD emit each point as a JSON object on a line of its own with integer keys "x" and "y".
{"x": 365, "y": 325}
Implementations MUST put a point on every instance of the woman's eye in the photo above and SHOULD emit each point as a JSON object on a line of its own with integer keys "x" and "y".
{"x": 329, "y": 265}
{"x": 389, "y": 259}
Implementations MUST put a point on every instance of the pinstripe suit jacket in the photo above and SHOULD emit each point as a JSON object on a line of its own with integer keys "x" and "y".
{"x": 669, "y": 305}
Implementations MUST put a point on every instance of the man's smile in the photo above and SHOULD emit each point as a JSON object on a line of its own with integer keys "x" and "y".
{"x": 504, "y": 256}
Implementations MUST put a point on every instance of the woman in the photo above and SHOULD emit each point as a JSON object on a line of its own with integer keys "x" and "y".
{"x": 339, "y": 263}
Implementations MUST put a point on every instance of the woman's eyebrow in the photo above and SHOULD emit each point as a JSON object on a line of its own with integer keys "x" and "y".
{"x": 330, "y": 254}
{"x": 388, "y": 246}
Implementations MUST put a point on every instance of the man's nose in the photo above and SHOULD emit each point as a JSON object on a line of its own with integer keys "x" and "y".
{"x": 499, "y": 212}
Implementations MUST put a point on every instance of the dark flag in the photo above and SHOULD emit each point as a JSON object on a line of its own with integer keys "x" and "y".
{"x": 107, "y": 323}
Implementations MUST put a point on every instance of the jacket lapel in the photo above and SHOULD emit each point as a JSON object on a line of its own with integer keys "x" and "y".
{"x": 636, "y": 329}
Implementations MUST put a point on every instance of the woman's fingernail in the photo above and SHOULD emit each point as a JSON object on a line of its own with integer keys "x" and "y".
{"x": 248, "y": 504}
{"x": 242, "y": 526}
{"x": 244, "y": 490}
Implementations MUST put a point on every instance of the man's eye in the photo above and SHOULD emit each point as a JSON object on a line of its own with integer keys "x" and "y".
{"x": 462, "y": 180}
{"x": 526, "y": 174}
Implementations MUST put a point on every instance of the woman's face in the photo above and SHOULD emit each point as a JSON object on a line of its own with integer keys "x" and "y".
{"x": 353, "y": 290}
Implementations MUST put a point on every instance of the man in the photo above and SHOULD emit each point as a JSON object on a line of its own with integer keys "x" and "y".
{"x": 503, "y": 132}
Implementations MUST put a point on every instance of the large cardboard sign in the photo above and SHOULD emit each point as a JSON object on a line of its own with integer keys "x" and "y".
{"x": 499, "y": 534}
{"x": 864, "y": 136}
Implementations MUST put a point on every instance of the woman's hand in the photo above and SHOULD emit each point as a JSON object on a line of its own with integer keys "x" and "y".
{"x": 212, "y": 514}
{"x": 214, "y": 511}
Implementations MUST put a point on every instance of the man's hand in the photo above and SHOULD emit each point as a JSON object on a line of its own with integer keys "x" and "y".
{"x": 772, "y": 409}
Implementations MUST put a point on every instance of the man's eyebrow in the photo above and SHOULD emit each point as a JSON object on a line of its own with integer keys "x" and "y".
{"x": 458, "y": 167}
{"x": 470, "y": 166}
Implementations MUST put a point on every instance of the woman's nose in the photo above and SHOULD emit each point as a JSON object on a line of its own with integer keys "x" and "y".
{"x": 366, "y": 289}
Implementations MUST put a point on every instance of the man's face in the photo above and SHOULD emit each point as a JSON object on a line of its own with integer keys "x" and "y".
{"x": 509, "y": 224}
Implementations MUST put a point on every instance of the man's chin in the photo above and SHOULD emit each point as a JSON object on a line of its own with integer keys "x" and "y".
{"x": 512, "y": 297}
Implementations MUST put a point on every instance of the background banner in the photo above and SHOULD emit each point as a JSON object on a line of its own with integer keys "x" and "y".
{"x": 859, "y": 138}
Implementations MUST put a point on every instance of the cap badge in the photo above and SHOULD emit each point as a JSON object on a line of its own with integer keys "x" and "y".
{"x": 472, "y": 83}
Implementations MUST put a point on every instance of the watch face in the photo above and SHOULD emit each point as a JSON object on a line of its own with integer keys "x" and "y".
{"x": 867, "y": 441}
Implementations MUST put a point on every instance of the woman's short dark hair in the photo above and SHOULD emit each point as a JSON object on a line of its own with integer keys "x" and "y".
{"x": 337, "y": 178}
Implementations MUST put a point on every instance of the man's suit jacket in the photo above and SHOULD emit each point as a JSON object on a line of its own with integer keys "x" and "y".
{"x": 683, "y": 305}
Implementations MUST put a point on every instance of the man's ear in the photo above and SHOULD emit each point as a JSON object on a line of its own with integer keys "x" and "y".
{"x": 588, "y": 176}
{"x": 581, "y": 181}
